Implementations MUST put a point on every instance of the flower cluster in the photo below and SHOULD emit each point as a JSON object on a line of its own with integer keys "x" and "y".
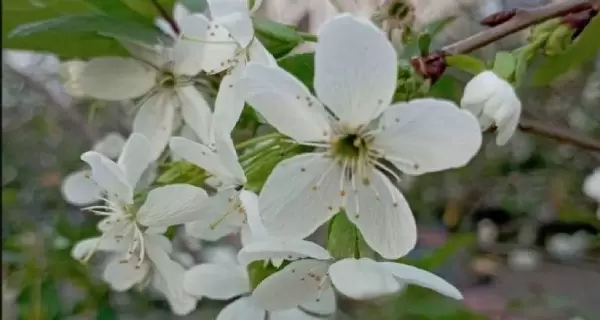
{"x": 340, "y": 149}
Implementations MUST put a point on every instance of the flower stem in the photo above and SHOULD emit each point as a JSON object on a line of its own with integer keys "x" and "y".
{"x": 308, "y": 36}
{"x": 256, "y": 140}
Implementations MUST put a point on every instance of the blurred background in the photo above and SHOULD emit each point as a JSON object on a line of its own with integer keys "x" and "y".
{"x": 513, "y": 230}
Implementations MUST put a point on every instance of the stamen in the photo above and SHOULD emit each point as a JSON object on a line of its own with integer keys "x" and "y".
{"x": 384, "y": 167}
{"x": 184, "y": 37}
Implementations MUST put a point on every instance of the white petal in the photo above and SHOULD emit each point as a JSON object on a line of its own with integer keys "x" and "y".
{"x": 202, "y": 156}
{"x": 154, "y": 55}
{"x": 111, "y": 145}
{"x": 83, "y": 247}
{"x": 242, "y": 309}
{"x": 122, "y": 274}
{"x": 281, "y": 248}
{"x": 249, "y": 201}
{"x": 115, "y": 78}
{"x": 324, "y": 304}
{"x": 291, "y": 314}
{"x": 383, "y": 216}
{"x": 362, "y": 279}
{"x": 221, "y": 254}
{"x": 79, "y": 189}
{"x": 235, "y": 17}
{"x": 479, "y": 90}
{"x": 258, "y": 53}
{"x": 135, "y": 158}
{"x": 168, "y": 277}
{"x": 217, "y": 281}
{"x": 591, "y": 185}
{"x": 413, "y": 275}
{"x": 284, "y": 102}
{"x": 301, "y": 194}
{"x": 188, "y": 49}
{"x": 154, "y": 120}
{"x": 229, "y": 103}
{"x": 219, "y": 216}
{"x": 171, "y": 205}
{"x": 355, "y": 69}
{"x": 165, "y": 27}
{"x": 299, "y": 282}
{"x": 508, "y": 125}
{"x": 228, "y": 156}
{"x": 180, "y": 11}
{"x": 109, "y": 176}
{"x": 196, "y": 111}
{"x": 428, "y": 135}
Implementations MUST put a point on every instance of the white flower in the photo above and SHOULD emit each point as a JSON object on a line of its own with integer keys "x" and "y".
{"x": 77, "y": 188}
{"x": 225, "y": 280}
{"x": 312, "y": 272}
{"x": 591, "y": 187}
{"x": 125, "y": 220}
{"x": 565, "y": 246}
{"x": 153, "y": 267}
{"x": 232, "y": 209}
{"x": 164, "y": 78}
{"x": 228, "y": 42}
{"x": 494, "y": 102}
{"x": 355, "y": 79}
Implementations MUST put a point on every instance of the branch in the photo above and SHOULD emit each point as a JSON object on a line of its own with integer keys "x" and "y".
{"x": 521, "y": 19}
{"x": 163, "y": 13}
{"x": 559, "y": 134}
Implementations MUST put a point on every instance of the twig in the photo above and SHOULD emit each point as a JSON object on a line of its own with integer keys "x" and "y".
{"x": 522, "y": 19}
{"x": 559, "y": 134}
{"x": 64, "y": 106}
{"x": 163, "y": 13}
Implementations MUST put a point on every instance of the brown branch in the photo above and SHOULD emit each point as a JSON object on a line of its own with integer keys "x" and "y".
{"x": 163, "y": 13}
{"x": 559, "y": 134}
{"x": 522, "y": 19}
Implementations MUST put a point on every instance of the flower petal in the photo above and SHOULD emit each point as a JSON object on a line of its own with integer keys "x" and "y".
{"x": 297, "y": 283}
{"x": 229, "y": 103}
{"x": 428, "y": 135}
{"x": 235, "y": 17}
{"x": 218, "y": 216}
{"x": 135, "y": 158}
{"x": 413, "y": 275}
{"x": 154, "y": 120}
{"x": 249, "y": 202}
{"x": 167, "y": 277}
{"x": 291, "y": 314}
{"x": 203, "y": 157}
{"x": 323, "y": 305}
{"x": 300, "y": 195}
{"x": 226, "y": 151}
{"x": 284, "y": 102}
{"x": 217, "y": 281}
{"x": 188, "y": 50}
{"x": 109, "y": 176}
{"x": 196, "y": 111}
{"x": 508, "y": 124}
{"x": 111, "y": 145}
{"x": 355, "y": 69}
{"x": 258, "y": 53}
{"x": 116, "y": 78}
{"x": 383, "y": 216}
{"x": 154, "y": 55}
{"x": 281, "y": 248}
{"x": 122, "y": 274}
{"x": 242, "y": 309}
{"x": 82, "y": 248}
{"x": 171, "y": 205}
{"x": 591, "y": 185}
{"x": 362, "y": 279}
{"x": 79, "y": 189}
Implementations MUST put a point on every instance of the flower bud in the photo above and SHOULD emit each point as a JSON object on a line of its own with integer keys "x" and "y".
{"x": 70, "y": 73}
{"x": 559, "y": 40}
{"x": 494, "y": 102}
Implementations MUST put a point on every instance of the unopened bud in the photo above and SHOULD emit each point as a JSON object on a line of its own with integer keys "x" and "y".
{"x": 559, "y": 40}
{"x": 431, "y": 66}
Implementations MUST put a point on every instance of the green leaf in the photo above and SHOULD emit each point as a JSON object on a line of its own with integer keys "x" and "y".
{"x": 504, "y": 65}
{"x": 416, "y": 304}
{"x": 466, "y": 63}
{"x": 424, "y": 44}
{"x": 343, "y": 236}
{"x": 192, "y": 5}
{"x": 447, "y": 87}
{"x": 585, "y": 47}
{"x": 302, "y": 66}
{"x": 106, "y": 312}
{"x": 104, "y": 25}
{"x": 259, "y": 271}
{"x": 276, "y": 37}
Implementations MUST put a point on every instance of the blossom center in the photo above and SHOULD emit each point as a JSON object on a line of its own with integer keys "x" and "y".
{"x": 167, "y": 79}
